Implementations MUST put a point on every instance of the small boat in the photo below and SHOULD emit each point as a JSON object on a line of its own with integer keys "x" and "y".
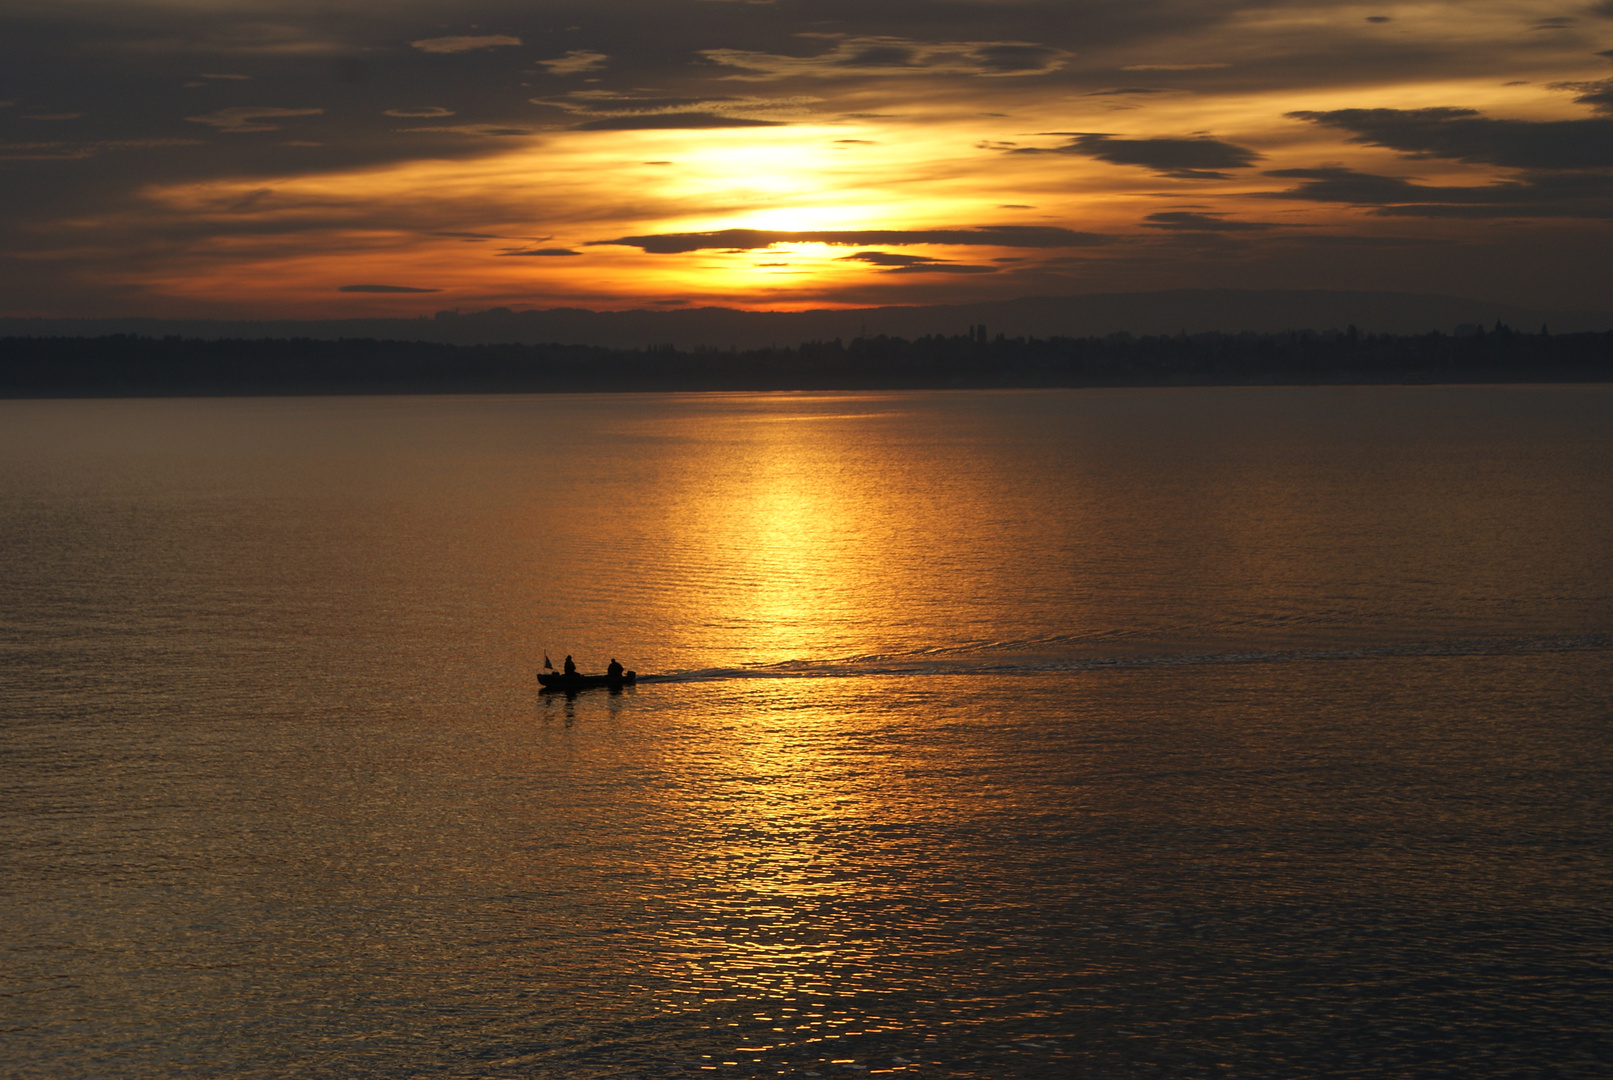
{"x": 554, "y": 680}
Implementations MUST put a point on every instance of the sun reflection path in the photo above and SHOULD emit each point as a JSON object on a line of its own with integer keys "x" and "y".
{"x": 814, "y": 886}
{"x": 795, "y": 917}
{"x": 786, "y": 536}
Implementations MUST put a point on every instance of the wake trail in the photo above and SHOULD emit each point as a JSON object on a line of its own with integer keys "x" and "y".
{"x": 1000, "y": 659}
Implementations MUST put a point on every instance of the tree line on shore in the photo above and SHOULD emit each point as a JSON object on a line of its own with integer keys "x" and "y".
{"x": 125, "y": 365}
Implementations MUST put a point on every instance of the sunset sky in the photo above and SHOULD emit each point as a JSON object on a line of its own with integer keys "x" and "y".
{"x": 228, "y": 158}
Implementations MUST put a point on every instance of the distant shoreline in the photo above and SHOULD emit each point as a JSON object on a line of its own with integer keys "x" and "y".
{"x": 133, "y": 366}
{"x": 1085, "y": 315}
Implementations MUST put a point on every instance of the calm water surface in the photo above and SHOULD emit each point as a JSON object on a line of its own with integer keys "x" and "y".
{"x": 1243, "y": 732}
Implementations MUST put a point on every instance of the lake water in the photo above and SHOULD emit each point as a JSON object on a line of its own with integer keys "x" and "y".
{"x": 1199, "y": 732}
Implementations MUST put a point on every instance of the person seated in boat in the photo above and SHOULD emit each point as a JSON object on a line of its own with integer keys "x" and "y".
{"x": 569, "y": 667}
{"x": 615, "y": 669}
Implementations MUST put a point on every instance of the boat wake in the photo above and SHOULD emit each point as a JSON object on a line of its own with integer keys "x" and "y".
{"x": 1042, "y": 656}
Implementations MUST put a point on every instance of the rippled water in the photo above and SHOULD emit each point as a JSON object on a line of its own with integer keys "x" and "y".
{"x": 1247, "y": 732}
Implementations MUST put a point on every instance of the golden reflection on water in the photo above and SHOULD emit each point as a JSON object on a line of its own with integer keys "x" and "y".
{"x": 785, "y": 515}
{"x": 768, "y": 926}
{"x": 793, "y": 840}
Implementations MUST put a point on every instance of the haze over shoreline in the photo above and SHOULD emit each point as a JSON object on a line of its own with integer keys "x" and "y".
{"x": 1189, "y": 311}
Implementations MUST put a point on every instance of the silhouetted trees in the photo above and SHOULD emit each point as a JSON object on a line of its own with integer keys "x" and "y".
{"x": 142, "y": 366}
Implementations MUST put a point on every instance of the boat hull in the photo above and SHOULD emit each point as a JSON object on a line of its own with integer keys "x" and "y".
{"x": 555, "y": 681}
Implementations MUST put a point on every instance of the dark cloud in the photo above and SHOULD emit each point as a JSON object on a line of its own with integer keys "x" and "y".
{"x": 350, "y": 70}
{"x": 1187, "y": 221}
{"x": 139, "y": 68}
{"x": 1598, "y": 95}
{"x": 384, "y": 289}
{"x": 1341, "y": 185}
{"x": 943, "y": 268}
{"x": 475, "y": 131}
{"x": 1005, "y": 59}
{"x": 43, "y": 151}
{"x": 607, "y": 110}
{"x": 1482, "y": 212}
{"x": 692, "y": 121}
{"x": 1020, "y": 236}
{"x": 78, "y": 151}
{"x": 896, "y": 263}
{"x": 878, "y": 56}
{"x": 1535, "y": 195}
{"x": 889, "y": 258}
{"x": 548, "y": 252}
{"x": 887, "y": 55}
{"x": 1379, "y": 18}
{"x": 246, "y": 118}
{"x": 1200, "y": 158}
{"x": 1465, "y": 135}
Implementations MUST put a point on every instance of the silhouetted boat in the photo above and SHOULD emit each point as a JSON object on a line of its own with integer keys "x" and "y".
{"x": 554, "y": 680}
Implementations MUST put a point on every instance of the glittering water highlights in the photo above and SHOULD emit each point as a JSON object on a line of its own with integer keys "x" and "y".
{"x": 1156, "y": 733}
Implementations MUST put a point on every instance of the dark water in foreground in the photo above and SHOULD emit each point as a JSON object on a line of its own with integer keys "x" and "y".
{"x": 1245, "y": 732}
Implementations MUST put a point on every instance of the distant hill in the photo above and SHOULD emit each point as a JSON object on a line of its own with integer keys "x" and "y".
{"x": 1092, "y": 315}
